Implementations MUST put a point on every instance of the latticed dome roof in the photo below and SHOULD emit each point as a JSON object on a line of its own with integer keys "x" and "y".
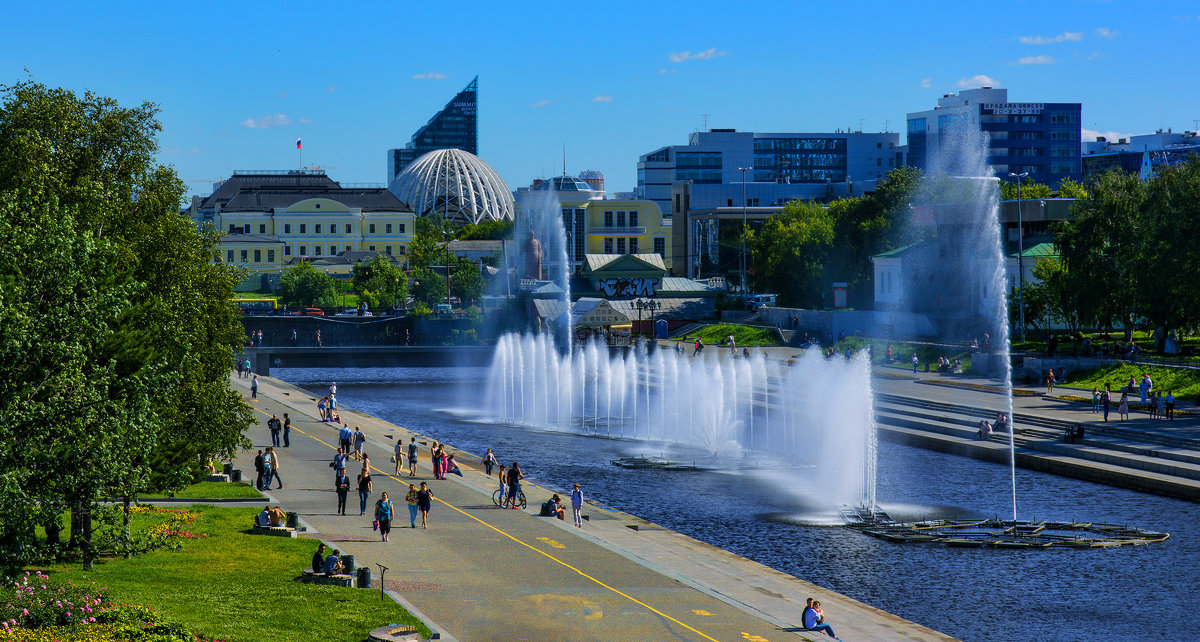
{"x": 456, "y": 184}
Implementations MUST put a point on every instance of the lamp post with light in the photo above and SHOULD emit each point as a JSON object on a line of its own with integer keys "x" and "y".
{"x": 1020, "y": 256}
{"x": 646, "y": 305}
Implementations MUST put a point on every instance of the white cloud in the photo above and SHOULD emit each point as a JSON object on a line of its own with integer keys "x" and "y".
{"x": 975, "y": 82}
{"x": 1067, "y": 36}
{"x": 543, "y": 103}
{"x": 926, "y": 83}
{"x": 1089, "y": 135}
{"x": 273, "y": 120}
{"x": 684, "y": 56}
{"x": 1035, "y": 60}
{"x": 1106, "y": 33}
{"x": 430, "y": 75}
{"x": 602, "y": 99}
{"x": 668, "y": 71}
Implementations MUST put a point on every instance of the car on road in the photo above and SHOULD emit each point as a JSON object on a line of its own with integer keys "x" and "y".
{"x": 756, "y": 301}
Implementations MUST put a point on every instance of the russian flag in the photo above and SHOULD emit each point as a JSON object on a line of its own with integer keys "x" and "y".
{"x": 297, "y": 143}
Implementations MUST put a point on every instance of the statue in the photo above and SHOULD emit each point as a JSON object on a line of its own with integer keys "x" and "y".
{"x": 533, "y": 257}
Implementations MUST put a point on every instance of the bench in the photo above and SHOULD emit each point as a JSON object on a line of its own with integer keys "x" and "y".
{"x": 308, "y": 577}
{"x": 276, "y": 531}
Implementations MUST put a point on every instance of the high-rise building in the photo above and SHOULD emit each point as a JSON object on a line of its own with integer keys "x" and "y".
{"x": 1143, "y": 154}
{"x": 1041, "y": 139}
{"x": 820, "y": 166}
{"x": 454, "y": 127}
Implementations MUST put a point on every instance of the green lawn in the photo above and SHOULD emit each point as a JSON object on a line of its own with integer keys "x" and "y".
{"x": 216, "y": 490}
{"x": 1185, "y": 384}
{"x": 236, "y": 586}
{"x": 743, "y": 335}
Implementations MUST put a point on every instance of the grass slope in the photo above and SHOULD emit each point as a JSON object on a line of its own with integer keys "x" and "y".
{"x": 1185, "y": 384}
{"x": 743, "y": 335}
{"x": 218, "y": 490}
{"x": 236, "y": 586}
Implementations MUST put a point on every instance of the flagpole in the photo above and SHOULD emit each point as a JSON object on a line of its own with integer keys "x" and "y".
{"x": 300, "y": 151}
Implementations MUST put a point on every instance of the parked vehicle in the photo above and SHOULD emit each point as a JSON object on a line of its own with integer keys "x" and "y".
{"x": 756, "y": 301}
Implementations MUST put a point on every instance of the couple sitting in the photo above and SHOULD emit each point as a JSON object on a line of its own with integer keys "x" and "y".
{"x": 814, "y": 619}
{"x": 271, "y": 516}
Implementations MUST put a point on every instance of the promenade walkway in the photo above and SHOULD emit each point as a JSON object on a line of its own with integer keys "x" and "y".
{"x": 484, "y": 573}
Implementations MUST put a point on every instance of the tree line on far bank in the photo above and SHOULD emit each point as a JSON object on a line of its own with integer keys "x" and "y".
{"x": 1126, "y": 256}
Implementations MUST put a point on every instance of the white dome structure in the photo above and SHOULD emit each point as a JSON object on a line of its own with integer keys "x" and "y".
{"x": 456, "y": 184}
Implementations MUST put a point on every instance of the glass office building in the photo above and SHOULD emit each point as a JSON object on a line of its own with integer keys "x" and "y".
{"x": 456, "y": 126}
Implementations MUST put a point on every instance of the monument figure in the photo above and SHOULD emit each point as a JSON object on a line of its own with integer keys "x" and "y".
{"x": 533, "y": 257}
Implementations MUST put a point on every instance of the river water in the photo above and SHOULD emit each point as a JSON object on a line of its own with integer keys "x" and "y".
{"x": 971, "y": 594}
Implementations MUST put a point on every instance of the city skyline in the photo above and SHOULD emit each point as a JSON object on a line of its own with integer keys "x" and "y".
{"x": 601, "y": 87}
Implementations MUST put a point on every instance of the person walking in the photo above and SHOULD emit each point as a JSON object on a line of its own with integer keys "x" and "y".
{"x": 435, "y": 460}
{"x": 341, "y": 484}
{"x": 275, "y": 427}
{"x": 1170, "y": 402}
{"x": 503, "y": 476}
{"x": 1162, "y": 406}
{"x": 267, "y": 470}
{"x": 254, "y": 387}
{"x": 489, "y": 462}
{"x": 344, "y": 437}
{"x": 1123, "y": 409}
{"x": 699, "y": 346}
{"x": 1145, "y": 386}
{"x": 411, "y": 498}
{"x": 359, "y": 439}
{"x": 295, "y": 338}
{"x": 383, "y": 515}
{"x": 317, "y": 342}
{"x": 287, "y": 431}
{"x": 577, "y": 506}
{"x": 258, "y": 470}
{"x": 339, "y": 462}
{"x": 1095, "y": 400}
{"x": 915, "y": 361}
{"x": 321, "y": 408}
{"x": 246, "y": 367}
{"x": 424, "y": 503}
{"x": 274, "y": 474}
{"x": 398, "y": 456}
{"x": 1050, "y": 381}
{"x": 412, "y": 457}
{"x": 364, "y": 491}
{"x": 1106, "y": 400}
{"x": 514, "y": 485}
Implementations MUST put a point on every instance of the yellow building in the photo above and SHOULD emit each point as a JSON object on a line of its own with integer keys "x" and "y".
{"x": 595, "y": 225}
{"x": 275, "y": 217}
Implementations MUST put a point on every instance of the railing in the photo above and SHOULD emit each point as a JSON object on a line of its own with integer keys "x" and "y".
{"x": 260, "y": 172}
{"x": 617, "y": 230}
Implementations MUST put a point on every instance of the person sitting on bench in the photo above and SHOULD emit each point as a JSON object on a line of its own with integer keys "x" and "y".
{"x": 318, "y": 560}
{"x": 333, "y": 563}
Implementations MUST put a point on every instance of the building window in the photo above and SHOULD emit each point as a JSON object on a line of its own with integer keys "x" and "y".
{"x": 608, "y": 247}
{"x": 332, "y": 250}
{"x": 232, "y": 228}
{"x": 660, "y": 246}
{"x": 388, "y": 249}
{"x": 676, "y": 203}
{"x": 303, "y": 250}
{"x": 348, "y": 248}
{"x": 302, "y": 226}
{"x": 400, "y": 250}
{"x": 633, "y": 245}
{"x": 287, "y": 250}
{"x": 262, "y": 228}
{"x": 370, "y": 248}
{"x": 401, "y": 229}
{"x": 608, "y": 220}
{"x": 387, "y": 229}
{"x": 245, "y": 256}
{"x": 620, "y": 245}
{"x": 229, "y": 256}
{"x": 270, "y": 256}
{"x": 620, "y": 219}
{"x": 258, "y": 256}
{"x": 317, "y": 228}
{"x": 371, "y": 228}
{"x": 316, "y": 250}
{"x": 246, "y": 228}
{"x": 333, "y": 228}
{"x": 633, "y": 219}
{"x": 287, "y": 228}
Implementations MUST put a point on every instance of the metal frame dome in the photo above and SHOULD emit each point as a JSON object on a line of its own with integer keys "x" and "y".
{"x": 456, "y": 184}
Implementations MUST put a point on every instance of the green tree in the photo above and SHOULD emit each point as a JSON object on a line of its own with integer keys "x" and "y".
{"x": 380, "y": 283}
{"x": 115, "y": 319}
{"x": 304, "y": 285}
{"x": 428, "y": 246}
{"x": 1070, "y": 189}
{"x": 466, "y": 282}
{"x": 486, "y": 231}
{"x": 1169, "y": 256}
{"x": 1029, "y": 189}
{"x": 429, "y": 287}
{"x": 791, "y": 251}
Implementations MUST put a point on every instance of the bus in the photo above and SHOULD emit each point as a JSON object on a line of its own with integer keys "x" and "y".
{"x": 257, "y": 306}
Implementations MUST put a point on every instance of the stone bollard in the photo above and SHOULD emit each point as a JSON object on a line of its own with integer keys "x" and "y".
{"x": 236, "y": 475}
{"x": 293, "y": 520}
{"x": 364, "y": 577}
{"x": 348, "y": 564}
{"x": 227, "y": 469}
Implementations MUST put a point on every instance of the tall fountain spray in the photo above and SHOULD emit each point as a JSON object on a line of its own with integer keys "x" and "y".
{"x": 813, "y": 416}
{"x": 543, "y": 260}
{"x": 956, "y": 275}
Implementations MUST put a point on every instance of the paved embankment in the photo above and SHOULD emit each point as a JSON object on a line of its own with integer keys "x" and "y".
{"x": 484, "y": 573}
{"x": 939, "y": 413}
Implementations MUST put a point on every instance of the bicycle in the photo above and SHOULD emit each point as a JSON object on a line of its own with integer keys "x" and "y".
{"x": 498, "y": 499}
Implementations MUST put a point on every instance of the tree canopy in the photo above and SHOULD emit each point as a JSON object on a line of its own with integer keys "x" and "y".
{"x": 304, "y": 285}
{"x": 116, "y": 323}
{"x": 380, "y": 283}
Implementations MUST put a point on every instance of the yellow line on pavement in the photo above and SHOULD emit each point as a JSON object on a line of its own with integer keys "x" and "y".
{"x": 529, "y": 546}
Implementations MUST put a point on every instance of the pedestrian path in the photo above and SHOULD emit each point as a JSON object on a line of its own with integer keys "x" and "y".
{"x": 481, "y": 572}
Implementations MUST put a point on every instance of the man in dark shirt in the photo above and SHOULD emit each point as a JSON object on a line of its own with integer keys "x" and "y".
{"x": 514, "y": 485}
{"x": 318, "y": 560}
{"x": 258, "y": 468}
{"x": 287, "y": 431}
{"x": 274, "y": 425}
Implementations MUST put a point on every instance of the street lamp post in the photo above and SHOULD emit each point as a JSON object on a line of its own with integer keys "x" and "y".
{"x": 1020, "y": 257}
{"x": 743, "y": 170}
{"x": 647, "y": 306}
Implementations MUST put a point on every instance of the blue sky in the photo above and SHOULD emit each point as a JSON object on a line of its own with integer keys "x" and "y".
{"x": 238, "y": 83}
